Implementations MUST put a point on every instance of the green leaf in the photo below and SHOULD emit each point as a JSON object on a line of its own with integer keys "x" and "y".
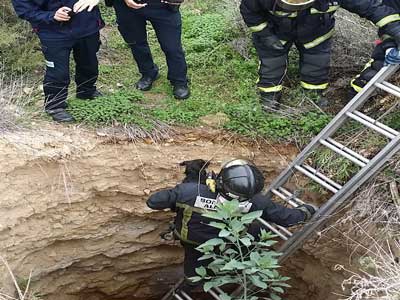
{"x": 206, "y": 256}
{"x": 224, "y": 233}
{"x": 245, "y": 241}
{"x": 278, "y": 289}
{"x": 201, "y": 271}
{"x": 196, "y": 278}
{"x": 212, "y": 242}
{"x": 208, "y": 285}
{"x": 275, "y": 297}
{"x": 225, "y": 297}
{"x": 267, "y": 243}
{"x": 256, "y": 280}
{"x": 250, "y": 217}
{"x": 217, "y": 225}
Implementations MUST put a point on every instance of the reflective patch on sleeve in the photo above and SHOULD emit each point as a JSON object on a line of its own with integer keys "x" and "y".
{"x": 388, "y": 19}
{"x": 49, "y": 64}
{"x": 205, "y": 203}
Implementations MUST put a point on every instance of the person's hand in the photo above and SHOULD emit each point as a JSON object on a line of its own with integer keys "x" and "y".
{"x": 135, "y": 5}
{"x": 62, "y": 14}
{"x": 172, "y": 2}
{"x": 81, "y": 5}
{"x": 308, "y": 209}
{"x": 392, "y": 56}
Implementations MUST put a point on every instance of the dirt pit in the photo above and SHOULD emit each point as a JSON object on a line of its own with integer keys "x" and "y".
{"x": 73, "y": 213}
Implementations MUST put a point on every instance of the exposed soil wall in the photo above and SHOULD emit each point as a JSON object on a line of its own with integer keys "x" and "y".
{"x": 72, "y": 209}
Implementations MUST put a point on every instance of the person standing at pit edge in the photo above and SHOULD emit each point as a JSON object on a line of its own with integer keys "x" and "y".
{"x": 164, "y": 15}
{"x": 309, "y": 24}
{"x": 65, "y": 26}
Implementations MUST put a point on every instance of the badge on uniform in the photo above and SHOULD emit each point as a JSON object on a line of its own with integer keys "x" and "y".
{"x": 206, "y": 203}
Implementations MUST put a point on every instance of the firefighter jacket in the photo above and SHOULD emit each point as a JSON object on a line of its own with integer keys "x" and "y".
{"x": 40, "y": 13}
{"x": 190, "y": 200}
{"x": 313, "y": 26}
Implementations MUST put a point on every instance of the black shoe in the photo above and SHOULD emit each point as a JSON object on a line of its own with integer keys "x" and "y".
{"x": 83, "y": 96}
{"x": 270, "y": 101}
{"x": 181, "y": 92}
{"x": 145, "y": 83}
{"x": 61, "y": 115}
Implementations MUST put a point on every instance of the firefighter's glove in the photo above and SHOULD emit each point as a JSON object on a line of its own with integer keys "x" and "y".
{"x": 172, "y": 2}
{"x": 81, "y": 5}
{"x": 308, "y": 210}
{"x": 392, "y": 56}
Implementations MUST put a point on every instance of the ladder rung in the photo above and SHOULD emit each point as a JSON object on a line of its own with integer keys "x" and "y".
{"x": 273, "y": 229}
{"x": 290, "y": 195}
{"x": 319, "y": 178}
{"x": 343, "y": 151}
{"x": 388, "y": 87}
{"x": 176, "y": 296}
{"x": 214, "y": 294}
{"x": 284, "y": 198}
{"x": 187, "y": 297}
{"x": 373, "y": 124}
{"x": 285, "y": 230}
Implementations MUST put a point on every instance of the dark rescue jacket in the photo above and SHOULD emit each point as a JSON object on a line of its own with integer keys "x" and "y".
{"x": 314, "y": 25}
{"x": 395, "y": 4}
{"x": 191, "y": 226}
{"x": 40, "y": 13}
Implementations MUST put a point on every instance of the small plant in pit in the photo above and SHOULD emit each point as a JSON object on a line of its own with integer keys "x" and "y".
{"x": 237, "y": 257}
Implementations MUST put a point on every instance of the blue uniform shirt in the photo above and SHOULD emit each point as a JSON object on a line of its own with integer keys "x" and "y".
{"x": 40, "y": 13}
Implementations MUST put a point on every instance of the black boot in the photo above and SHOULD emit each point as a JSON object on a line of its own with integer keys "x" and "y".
{"x": 145, "y": 83}
{"x": 61, "y": 115}
{"x": 270, "y": 101}
{"x": 92, "y": 96}
{"x": 181, "y": 91}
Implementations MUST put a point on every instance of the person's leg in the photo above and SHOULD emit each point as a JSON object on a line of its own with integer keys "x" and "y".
{"x": 56, "y": 79}
{"x": 190, "y": 263}
{"x": 314, "y": 69}
{"x": 272, "y": 68}
{"x": 371, "y": 68}
{"x": 87, "y": 65}
{"x": 132, "y": 26}
{"x": 168, "y": 27}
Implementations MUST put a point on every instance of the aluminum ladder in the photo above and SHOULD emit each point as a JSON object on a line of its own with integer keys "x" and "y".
{"x": 341, "y": 193}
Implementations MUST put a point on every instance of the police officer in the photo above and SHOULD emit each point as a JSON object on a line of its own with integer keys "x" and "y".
{"x": 65, "y": 26}
{"x": 238, "y": 179}
{"x": 309, "y": 24}
{"x": 386, "y": 47}
{"x": 165, "y": 18}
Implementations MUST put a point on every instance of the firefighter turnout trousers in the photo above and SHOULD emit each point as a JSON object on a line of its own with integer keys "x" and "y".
{"x": 314, "y": 65}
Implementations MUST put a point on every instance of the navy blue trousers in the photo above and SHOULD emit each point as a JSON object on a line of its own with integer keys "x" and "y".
{"x": 168, "y": 27}
{"x": 57, "y": 78}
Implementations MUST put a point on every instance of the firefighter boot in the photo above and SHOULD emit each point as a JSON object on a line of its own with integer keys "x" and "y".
{"x": 318, "y": 97}
{"x": 270, "y": 101}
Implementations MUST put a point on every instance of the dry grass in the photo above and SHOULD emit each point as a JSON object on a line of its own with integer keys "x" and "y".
{"x": 14, "y": 97}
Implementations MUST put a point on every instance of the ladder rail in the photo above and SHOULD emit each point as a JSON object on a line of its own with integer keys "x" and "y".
{"x": 336, "y": 122}
{"x": 325, "y": 211}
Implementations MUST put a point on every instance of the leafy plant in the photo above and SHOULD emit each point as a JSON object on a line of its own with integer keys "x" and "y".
{"x": 238, "y": 257}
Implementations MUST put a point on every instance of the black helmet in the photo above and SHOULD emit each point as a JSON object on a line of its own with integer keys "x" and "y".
{"x": 295, "y": 5}
{"x": 239, "y": 179}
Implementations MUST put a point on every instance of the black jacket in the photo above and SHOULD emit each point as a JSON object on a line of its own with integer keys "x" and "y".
{"x": 191, "y": 226}
{"x": 315, "y": 23}
{"x": 40, "y": 13}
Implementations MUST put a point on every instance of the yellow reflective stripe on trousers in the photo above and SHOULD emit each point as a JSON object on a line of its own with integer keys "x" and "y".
{"x": 271, "y": 89}
{"x": 259, "y": 27}
{"x": 319, "y": 40}
{"x": 330, "y": 9}
{"x": 388, "y": 19}
{"x": 355, "y": 86}
{"x": 368, "y": 64}
{"x": 310, "y": 86}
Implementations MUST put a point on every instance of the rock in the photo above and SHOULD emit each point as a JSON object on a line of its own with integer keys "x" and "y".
{"x": 215, "y": 121}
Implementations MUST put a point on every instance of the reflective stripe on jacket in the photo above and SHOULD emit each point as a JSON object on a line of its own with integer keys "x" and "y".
{"x": 192, "y": 227}
{"x": 314, "y": 25}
